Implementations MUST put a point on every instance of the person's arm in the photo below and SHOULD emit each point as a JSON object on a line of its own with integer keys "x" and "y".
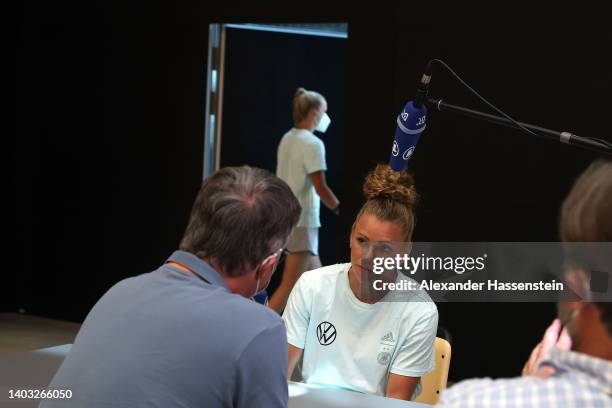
{"x": 315, "y": 166}
{"x": 294, "y": 356}
{"x": 401, "y": 386}
{"x": 263, "y": 358}
{"x": 327, "y": 196}
{"x": 416, "y": 356}
{"x": 297, "y": 319}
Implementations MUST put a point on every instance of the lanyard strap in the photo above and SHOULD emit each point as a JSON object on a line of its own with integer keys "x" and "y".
{"x": 186, "y": 269}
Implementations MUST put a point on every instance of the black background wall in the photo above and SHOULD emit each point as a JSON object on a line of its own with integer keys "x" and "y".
{"x": 108, "y": 129}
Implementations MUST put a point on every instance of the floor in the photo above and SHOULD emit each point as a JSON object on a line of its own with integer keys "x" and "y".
{"x": 20, "y": 332}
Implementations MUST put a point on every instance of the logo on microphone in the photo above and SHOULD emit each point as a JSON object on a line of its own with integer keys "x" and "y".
{"x": 408, "y": 153}
{"x": 404, "y": 115}
{"x": 326, "y": 333}
{"x": 395, "y": 150}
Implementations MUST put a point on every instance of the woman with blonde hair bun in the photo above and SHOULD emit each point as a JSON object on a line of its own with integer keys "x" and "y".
{"x": 355, "y": 338}
{"x": 301, "y": 164}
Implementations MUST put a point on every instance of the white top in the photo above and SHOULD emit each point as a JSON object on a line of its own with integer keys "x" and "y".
{"x": 301, "y": 153}
{"x": 355, "y": 345}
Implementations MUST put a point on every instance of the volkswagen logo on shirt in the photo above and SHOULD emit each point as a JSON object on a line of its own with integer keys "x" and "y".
{"x": 326, "y": 333}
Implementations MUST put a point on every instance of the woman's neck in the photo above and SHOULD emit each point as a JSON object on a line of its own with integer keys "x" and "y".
{"x": 306, "y": 125}
{"x": 356, "y": 287}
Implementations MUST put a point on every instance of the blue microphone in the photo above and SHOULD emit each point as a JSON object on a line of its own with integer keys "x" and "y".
{"x": 410, "y": 125}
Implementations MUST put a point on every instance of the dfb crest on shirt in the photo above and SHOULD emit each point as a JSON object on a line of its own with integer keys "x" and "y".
{"x": 384, "y": 358}
{"x": 326, "y": 333}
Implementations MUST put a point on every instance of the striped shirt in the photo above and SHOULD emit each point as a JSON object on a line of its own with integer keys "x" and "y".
{"x": 579, "y": 381}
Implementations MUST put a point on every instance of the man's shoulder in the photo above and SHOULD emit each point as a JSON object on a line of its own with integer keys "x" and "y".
{"x": 235, "y": 322}
{"x": 251, "y": 314}
{"x": 224, "y": 307}
{"x": 487, "y": 392}
{"x": 125, "y": 289}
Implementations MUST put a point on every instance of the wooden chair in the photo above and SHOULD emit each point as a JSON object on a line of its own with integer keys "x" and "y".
{"x": 435, "y": 382}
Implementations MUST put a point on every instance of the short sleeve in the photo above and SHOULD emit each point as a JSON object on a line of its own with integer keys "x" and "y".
{"x": 297, "y": 314}
{"x": 265, "y": 357}
{"x": 416, "y": 356}
{"x": 314, "y": 157}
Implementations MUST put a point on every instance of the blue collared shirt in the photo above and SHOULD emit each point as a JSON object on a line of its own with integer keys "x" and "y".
{"x": 169, "y": 339}
{"x": 579, "y": 381}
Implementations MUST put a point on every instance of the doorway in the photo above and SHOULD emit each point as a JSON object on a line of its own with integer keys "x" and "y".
{"x": 253, "y": 73}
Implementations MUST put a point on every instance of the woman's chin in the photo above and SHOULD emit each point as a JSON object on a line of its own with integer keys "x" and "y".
{"x": 360, "y": 273}
{"x": 356, "y": 271}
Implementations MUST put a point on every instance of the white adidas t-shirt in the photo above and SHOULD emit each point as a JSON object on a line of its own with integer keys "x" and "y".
{"x": 301, "y": 153}
{"x": 355, "y": 345}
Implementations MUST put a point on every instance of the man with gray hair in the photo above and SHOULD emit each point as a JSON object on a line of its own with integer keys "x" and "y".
{"x": 571, "y": 367}
{"x": 187, "y": 334}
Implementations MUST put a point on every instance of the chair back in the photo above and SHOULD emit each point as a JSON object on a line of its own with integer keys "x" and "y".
{"x": 435, "y": 382}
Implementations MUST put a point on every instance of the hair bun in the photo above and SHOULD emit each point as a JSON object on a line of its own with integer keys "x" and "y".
{"x": 299, "y": 92}
{"x": 385, "y": 183}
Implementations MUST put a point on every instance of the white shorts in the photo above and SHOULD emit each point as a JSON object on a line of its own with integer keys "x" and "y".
{"x": 304, "y": 239}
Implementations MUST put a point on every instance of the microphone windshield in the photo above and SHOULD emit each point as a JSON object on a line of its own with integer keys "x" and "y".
{"x": 410, "y": 125}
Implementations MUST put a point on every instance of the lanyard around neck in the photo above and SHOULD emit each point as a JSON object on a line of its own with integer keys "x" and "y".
{"x": 186, "y": 269}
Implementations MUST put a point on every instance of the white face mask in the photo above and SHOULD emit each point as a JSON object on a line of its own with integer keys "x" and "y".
{"x": 323, "y": 123}
{"x": 256, "y": 290}
{"x": 257, "y": 287}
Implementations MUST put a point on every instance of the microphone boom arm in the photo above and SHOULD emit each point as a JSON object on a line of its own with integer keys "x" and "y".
{"x": 563, "y": 137}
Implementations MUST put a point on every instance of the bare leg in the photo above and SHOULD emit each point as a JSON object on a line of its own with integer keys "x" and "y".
{"x": 296, "y": 263}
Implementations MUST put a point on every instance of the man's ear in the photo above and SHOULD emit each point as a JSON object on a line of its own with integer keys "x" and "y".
{"x": 577, "y": 281}
{"x": 266, "y": 265}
